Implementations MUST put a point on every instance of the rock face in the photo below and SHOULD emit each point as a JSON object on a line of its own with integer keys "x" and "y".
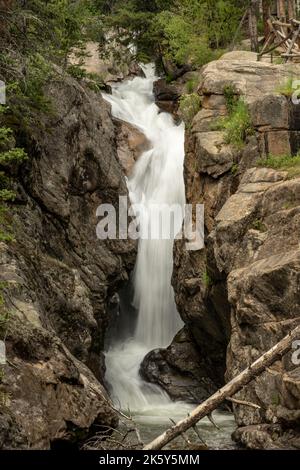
{"x": 180, "y": 370}
{"x": 58, "y": 277}
{"x": 109, "y": 69}
{"x": 167, "y": 95}
{"x": 242, "y": 290}
{"x": 131, "y": 143}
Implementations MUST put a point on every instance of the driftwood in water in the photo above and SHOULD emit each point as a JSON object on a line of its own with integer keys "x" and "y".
{"x": 230, "y": 389}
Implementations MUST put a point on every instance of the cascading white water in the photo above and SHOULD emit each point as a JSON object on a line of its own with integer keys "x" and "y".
{"x": 157, "y": 179}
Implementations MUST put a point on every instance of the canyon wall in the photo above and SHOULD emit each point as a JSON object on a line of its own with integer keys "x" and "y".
{"x": 58, "y": 279}
{"x": 242, "y": 290}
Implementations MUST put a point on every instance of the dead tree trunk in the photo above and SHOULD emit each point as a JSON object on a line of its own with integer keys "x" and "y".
{"x": 253, "y": 14}
{"x": 266, "y": 11}
{"x": 281, "y": 12}
{"x": 231, "y": 388}
{"x": 241, "y": 23}
{"x": 291, "y": 9}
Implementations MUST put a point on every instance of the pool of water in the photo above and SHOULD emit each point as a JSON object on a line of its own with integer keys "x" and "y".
{"x": 151, "y": 424}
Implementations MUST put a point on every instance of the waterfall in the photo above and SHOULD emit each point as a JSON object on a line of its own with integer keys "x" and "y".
{"x": 157, "y": 179}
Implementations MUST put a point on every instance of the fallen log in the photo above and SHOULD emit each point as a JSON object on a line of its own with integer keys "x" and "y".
{"x": 231, "y": 388}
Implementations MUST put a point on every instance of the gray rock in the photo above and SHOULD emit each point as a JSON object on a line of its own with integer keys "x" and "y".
{"x": 59, "y": 277}
{"x": 215, "y": 157}
{"x": 254, "y": 80}
{"x": 131, "y": 143}
{"x": 249, "y": 271}
{"x": 166, "y": 95}
{"x": 180, "y": 371}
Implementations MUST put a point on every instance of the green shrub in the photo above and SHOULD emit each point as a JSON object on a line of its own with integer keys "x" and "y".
{"x": 259, "y": 225}
{"x": 288, "y": 163}
{"x": 4, "y": 314}
{"x": 169, "y": 78}
{"x": 237, "y": 125}
{"x": 9, "y": 154}
{"x": 231, "y": 97}
{"x": 206, "y": 279}
{"x": 286, "y": 88}
{"x": 189, "y": 105}
{"x": 191, "y": 86}
{"x": 76, "y": 71}
{"x": 278, "y": 60}
{"x": 234, "y": 169}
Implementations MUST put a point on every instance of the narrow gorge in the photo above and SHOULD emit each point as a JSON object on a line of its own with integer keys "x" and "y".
{"x": 106, "y": 342}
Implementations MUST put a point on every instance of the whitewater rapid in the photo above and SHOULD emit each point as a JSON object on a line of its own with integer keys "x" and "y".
{"x": 157, "y": 179}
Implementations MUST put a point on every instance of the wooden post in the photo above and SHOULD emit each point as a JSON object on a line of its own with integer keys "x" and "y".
{"x": 230, "y": 389}
{"x": 253, "y": 14}
{"x": 266, "y": 11}
{"x": 292, "y": 43}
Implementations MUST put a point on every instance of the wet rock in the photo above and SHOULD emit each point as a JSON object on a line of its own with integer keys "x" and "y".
{"x": 179, "y": 370}
{"x": 164, "y": 91}
{"x": 166, "y": 95}
{"x": 131, "y": 143}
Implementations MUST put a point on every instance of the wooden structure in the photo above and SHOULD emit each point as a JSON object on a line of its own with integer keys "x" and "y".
{"x": 283, "y": 37}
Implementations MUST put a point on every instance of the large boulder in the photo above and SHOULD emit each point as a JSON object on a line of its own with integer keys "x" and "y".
{"x": 180, "y": 371}
{"x": 249, "y": 78}
{"x": 131, "y": 143}
{"x": 166, "y": 95}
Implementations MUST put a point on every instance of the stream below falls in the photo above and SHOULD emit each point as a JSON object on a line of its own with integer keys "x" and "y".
{"x": 157, "y": 179}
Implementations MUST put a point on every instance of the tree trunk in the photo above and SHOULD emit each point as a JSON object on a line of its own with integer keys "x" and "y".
{"x": 5, "y": 7}
{"x": 253, "y": 14}
{"x": 266, "y": 9}
{"x": 231, "y": 388}
{"x": 291, "y": 9}
{"x": 241, "y": 23}
{"x": 281, "y": 12}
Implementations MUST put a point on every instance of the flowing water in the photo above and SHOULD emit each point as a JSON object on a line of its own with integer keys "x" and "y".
{"x": 157, "y": 180}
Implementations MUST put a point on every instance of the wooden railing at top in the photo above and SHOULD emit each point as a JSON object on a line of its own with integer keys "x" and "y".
{"x": 283, "y": 35}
